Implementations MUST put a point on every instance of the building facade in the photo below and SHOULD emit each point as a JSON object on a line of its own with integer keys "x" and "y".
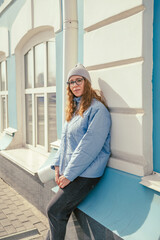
{"x": 118, "y": 42}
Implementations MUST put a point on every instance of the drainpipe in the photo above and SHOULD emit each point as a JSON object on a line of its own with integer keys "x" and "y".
{"x": 70, "y": 43}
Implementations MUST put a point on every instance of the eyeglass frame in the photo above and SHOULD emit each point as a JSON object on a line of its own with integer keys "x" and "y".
{"x": 73, "y": 82}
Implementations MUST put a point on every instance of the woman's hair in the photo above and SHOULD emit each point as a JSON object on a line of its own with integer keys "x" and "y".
{"x": 86, "y": 99}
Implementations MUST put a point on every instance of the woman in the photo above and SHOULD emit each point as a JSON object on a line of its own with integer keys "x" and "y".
{"x": 84, "y": 150}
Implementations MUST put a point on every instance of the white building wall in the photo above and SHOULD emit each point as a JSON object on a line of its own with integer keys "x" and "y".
{"x": 101, "y": 10}
{"x": 4, "y": 45}
{"x": 119, "y": 59}
{"x": 47, "y": 13}
{"x": 36, "y": 15}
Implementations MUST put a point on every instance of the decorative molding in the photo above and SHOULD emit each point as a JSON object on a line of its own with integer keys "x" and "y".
{"x": 128, "y": 110}
{"x": 4, "y": 4}
{"x": 129, "y": 167}
{"x": 115, "y": 63}
{"x": 116, "y": 18}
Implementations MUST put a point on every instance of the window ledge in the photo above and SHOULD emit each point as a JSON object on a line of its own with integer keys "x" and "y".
{"x": 10, "y": 131}
{"x": 27, "y": 159}
{"x": 152, "y": 181}
{"x": 56, "y": 144}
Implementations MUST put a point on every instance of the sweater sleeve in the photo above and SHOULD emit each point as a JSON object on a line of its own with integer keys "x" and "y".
{"x": 56, "y": 159}
{"x": 90, "y": 145}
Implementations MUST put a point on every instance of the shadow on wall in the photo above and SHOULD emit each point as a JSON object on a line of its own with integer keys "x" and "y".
{"x": 127, "y": 133}
{"x": 111, "y": 94}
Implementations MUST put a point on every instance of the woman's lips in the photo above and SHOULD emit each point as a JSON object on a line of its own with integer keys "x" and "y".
{"x": 76, "y": 90}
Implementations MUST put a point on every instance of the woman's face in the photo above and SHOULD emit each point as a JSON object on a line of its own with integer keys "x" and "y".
{"x": 76, "y": 84}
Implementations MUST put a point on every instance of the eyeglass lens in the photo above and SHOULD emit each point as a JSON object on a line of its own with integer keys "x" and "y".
{"x": 77, "y": 81}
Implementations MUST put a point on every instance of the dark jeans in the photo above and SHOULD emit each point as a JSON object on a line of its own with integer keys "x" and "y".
{"x": 64, "y": 202}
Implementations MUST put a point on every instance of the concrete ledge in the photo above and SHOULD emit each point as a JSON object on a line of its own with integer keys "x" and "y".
{"x": 25, "y": 158}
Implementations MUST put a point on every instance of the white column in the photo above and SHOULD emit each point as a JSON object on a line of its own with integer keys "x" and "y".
{"x": 70, "y": 43}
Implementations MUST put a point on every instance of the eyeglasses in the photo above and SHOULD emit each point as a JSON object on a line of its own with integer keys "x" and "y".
{"x": 78, "y": 81}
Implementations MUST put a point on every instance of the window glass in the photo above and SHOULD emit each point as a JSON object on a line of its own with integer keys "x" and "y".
{"x": 29, "y": 119}
{"x": 40, "y": 121}
{"x": 52, "y": 128}
{"x": 39, "y": 65}
{"x": 4, "y": 113}
{"x": 3, "y": 76}
{"x": 51, "y": 64}
{"x": 28, "y": 69}
{"x": 3, "y": 96}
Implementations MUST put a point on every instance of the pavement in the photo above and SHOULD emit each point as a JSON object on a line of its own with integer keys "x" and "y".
{"x": 18, "y": 218}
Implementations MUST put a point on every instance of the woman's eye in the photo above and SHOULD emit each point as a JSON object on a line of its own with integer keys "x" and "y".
{"x": 71, "y": 82}
{"x": 79, "y": 80}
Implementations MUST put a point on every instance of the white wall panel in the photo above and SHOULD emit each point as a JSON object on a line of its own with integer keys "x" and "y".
{"x": 123, "y": 165}
{"x": 121, "y": 86}
{"x": 118, "y": 41}
{"x": 98, "y": 10}
{"x": 35, "y": 15}
{"x": 46, "y": 13}
{"x": 127, "y": 133}
{"x": 21, "y": 25}
{"x": 4, "y": 41}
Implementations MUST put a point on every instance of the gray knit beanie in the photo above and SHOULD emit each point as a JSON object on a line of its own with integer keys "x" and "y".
{"x": 79, "y": 70}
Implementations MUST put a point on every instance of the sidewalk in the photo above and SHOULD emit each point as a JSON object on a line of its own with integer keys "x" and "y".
{"x": 18, "y": 218}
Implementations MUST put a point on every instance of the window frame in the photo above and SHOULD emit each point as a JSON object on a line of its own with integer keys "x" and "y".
{"x": 36, "y": 118}
{"x": 35, "y": 92}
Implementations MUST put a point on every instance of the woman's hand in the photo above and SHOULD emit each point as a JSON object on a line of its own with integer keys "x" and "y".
{"x": 57, "y": 175}
{"x": 63, "y": 181}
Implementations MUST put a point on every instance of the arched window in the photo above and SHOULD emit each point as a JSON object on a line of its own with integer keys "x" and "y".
{"x": 40, "y": 95}
{"x": 3, "y": 96}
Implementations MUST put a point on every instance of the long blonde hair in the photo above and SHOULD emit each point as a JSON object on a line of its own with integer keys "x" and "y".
{"x": 86, "y": 100}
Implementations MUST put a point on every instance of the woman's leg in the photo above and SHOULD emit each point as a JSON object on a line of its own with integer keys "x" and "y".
{"x": 64, "y": 202}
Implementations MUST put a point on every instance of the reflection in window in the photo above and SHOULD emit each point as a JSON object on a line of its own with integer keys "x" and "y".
{"x": 39, "y": 65}
{"x": 51, "y": 64}
{"x": 28, "y": 69}
{"x": 4, "y": 113}
{"x": 3, "y": 96}
{"x": 52, "y": 128}
{"x": 40, "y": 121}
{"x": 3, "y": 76}
{"x": 29, "y": 119}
